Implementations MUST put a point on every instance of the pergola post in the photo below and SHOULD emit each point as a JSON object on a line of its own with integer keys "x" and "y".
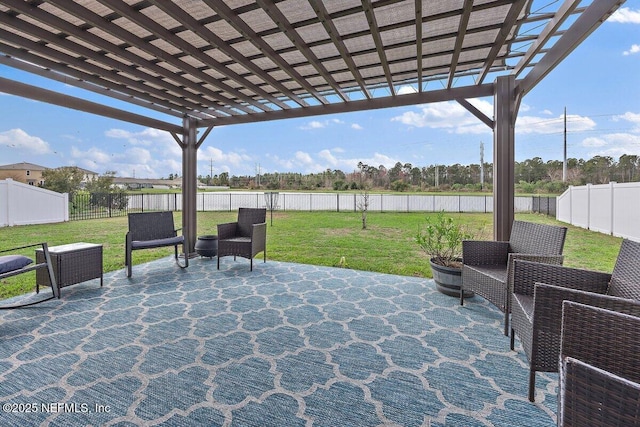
{"x": 504, "y": 156}
{"x": 189, "y": 184}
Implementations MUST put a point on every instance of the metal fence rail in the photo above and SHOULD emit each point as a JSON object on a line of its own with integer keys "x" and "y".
{"x": 89, "y": 206}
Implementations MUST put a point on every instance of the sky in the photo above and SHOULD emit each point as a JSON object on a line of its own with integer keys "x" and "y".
{"x": 598, "y": 84}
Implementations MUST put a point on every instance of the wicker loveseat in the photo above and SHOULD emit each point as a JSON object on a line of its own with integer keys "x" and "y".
{"x": 540, "y": 289}
{"x": 148, "y": 230}
{"x": 246, "y": 237}
{"x": 599, "y": 369}
{"x": 488, "y": 265}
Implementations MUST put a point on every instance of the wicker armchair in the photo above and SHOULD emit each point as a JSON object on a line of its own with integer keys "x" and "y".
{"x": 599, "y": 370}
{"x": 148, "y": 230}
{"x": 246, "y": 237}
{"x": 488, "y": 265}
{"x": 538, "y": 293}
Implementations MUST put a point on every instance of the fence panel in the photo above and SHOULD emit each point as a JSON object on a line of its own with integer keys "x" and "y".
{"x": 87, "y": 206}
{"x": 626, "y": 205}
{"x": 600, "y": 202}
{"x": 22, "y": 204}
{"x": 544, "y": 205}
{"x": 323, "y": 202}
{"x": 608, "y": 208}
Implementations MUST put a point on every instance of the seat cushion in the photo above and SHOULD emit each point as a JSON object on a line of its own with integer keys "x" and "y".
{"x": 479, "y": 273}
{"x": 13, "y": 262}
{"x": 239, "y": 239}
{"x": 157, "y": 243}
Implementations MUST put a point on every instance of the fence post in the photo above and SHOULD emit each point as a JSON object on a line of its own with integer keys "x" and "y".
{"x": 338, "y": 202}
{"x": 588, "y": 206}
{"x": 612, "y": 186}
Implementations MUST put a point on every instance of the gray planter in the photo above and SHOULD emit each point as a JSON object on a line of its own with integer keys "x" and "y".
{"x": 448, "y": 280}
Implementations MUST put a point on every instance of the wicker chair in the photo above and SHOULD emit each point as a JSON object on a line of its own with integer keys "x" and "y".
{"x": 599, "y": 369}
{"x": 538, "y": 293}
{"x": 245, "y": 237}
{"x": 149, "y": 230}
{"x": 488, "y": 265}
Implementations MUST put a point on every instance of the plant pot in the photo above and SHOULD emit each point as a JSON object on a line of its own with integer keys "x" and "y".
{"x": 448, "y": 280}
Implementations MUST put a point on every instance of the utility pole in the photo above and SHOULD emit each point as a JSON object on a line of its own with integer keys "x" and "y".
{"x": 211, "y": 173}
{"x": 564, "y": 162}
{"x": 481, "y": 165}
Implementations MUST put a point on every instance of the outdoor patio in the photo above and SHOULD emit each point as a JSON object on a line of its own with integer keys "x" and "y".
{"x": 287, "y": 344}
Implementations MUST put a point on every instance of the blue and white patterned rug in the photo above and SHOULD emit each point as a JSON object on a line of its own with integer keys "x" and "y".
{"x": 284, "y": 345}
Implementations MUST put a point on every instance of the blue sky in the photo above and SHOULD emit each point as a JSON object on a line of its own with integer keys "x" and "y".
{"x": 599, "y": 84}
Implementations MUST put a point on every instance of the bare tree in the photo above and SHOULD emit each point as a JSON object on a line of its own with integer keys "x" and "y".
{"x": 363, "y": 206}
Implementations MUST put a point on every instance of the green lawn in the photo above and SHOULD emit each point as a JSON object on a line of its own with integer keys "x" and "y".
{"x": 319, "y": 238}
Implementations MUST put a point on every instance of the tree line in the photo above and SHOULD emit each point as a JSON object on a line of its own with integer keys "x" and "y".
{"x": 531, "y": 176}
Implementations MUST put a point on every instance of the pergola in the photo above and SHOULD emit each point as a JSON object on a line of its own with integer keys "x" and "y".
{"x": 192, "y": 64}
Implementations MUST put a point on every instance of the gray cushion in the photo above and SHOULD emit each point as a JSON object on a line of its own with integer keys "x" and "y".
{"x": 147, "y": 244}
{"x": 13, "y": 262}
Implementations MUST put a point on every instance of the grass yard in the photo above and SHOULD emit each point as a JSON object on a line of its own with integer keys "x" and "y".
{"x": 387, "y": 245}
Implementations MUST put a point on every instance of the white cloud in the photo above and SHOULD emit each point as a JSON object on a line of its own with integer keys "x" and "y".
{"x": 614, "y": 145}
{"x": 223, "y": 159}
{"x": 624, "y": 15}
{"x": 320, "y": 124}
{"x": 315, "y": 124}
{"x": 356, "y": 126}
{"x": 329, "y": 159}
{"x": 449, "y": 116}
{"x": 633, "y": 118}
{"x": 544, "y": 125}
{"x": 93, "y": 155}
{"x": 149, "y": 153}
{"x": 404, "y": 90}
{"x": 21, "y": 140}
{"x": 594, "y": 142}
{"x": 634, "y": 49}
{"x": 146, "y": 137}
{"x": 303, "y": 158}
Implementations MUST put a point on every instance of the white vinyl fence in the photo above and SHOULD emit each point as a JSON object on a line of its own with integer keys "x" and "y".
{"x": 22, "y": 204}
{"x": 607, "y": 208}
{"x": 336, "y": 202}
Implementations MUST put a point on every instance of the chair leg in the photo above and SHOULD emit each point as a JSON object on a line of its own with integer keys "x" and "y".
{"x": 251, "y": 264}
{"x": 127, "y": 262}
{"x": 461, "y": 295}
{"x": 218, "y": 262}
{"x": 513, "y": 338}
{"x": 506, "y": 322}
{"x": 532, "y": 385}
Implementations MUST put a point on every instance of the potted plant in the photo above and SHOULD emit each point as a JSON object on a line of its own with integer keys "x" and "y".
{"x": 441, "y": 238}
